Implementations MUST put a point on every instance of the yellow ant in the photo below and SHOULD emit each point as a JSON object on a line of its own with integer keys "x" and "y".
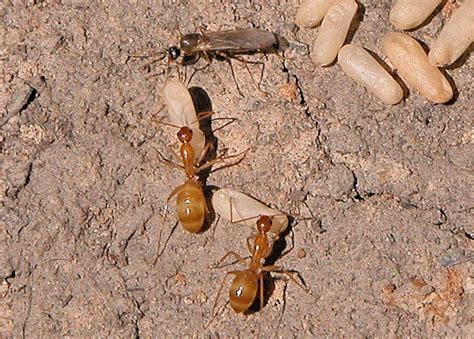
{"x": 249, "y": 282}
{"x": 190, "y": 200}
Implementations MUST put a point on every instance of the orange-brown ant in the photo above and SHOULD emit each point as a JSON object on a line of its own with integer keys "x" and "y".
{"x": 249, "y": 282}
{"x": 190, "y": 200}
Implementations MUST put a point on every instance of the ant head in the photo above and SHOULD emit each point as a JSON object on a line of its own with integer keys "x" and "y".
{"x": 174, "y": 53}
{"x": 185, "y": 134}
{"x": 264, "y": 223}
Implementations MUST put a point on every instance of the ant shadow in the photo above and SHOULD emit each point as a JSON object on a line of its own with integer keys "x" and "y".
{"x": 268, "y": 289}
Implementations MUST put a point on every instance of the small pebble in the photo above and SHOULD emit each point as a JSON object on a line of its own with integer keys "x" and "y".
{"x": 301, "y": 253}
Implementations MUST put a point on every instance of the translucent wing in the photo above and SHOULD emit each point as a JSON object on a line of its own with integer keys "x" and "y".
{"x": 238, "y": 41}
{"x": 181, "y": 112}
{"x": 180, "y": 105}
{"x": 246, "y": 208}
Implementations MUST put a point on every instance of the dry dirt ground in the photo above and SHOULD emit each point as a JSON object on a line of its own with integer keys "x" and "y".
{"x": 381, "y": 195}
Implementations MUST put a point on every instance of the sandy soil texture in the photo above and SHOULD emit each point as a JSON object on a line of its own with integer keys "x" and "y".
{"x": 381, "y": 195}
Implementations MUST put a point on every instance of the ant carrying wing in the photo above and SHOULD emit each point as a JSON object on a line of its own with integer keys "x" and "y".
{"x": 248, "y": 284}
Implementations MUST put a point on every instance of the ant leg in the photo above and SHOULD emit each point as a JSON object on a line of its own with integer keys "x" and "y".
{"x": 220, "y": 159}
{"x": 261, "y": 77}
{"x": 245, "y": 219}
{"x": 196, "y": 69}
{"x": 232, "y": 214}
{"x": 234, "y": 78}
{"x": 204, "y": 115}
{"x": 229, "y": 121}
{"x": 240, "y": 220}
{"x": 177, "y": 72}
{"x": 250, "y": 218}
{"x": 261, "y": 297}
{"x": 197, "y": 57}
{"x": 160, "y": 121}
{"x": 261, "y": 282}
{"x": 154, "y": 117}
{"x": 169, "y": 162}
{"x": 152, "y": 75}
{"x": 250, "y": 244}
{"x": 281, "y": 57}
{"x": 227, "y": 59}
{"x": 235, "y": 255}
{"x": 245, "y": 62}
{"x": 202, "y": 30}
{"x": 175, "y": 155}
{"x": 194, "y": 59}
{"x": 292, "y": 245}
{"x": 165, "y": 212}
{"x": 155, "y": 58}
{"x": 215, "y": 226}
{"x": 284, "y": 306}
{"x": 209, "y": 64}
{"x": 290, "y": 275}
{"x": 180, "y": 35}
{"x": 203, "y": 153}
{"x": 207, "y": 56}
{"x": 213, "y": 316}
{"x": 200, "y": 116}
{"x": 153, "y": 54}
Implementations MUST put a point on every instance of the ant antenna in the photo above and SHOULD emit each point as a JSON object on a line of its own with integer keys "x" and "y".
{"x": 161, "y": 122}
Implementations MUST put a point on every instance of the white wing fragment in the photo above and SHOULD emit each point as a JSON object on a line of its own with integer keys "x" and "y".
{"x": 246, "y": 207}
{"x": 181, "y": 112}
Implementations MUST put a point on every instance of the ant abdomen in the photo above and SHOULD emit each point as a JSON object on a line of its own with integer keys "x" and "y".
{"x": 191, "y": 206}
{"x": 243, "y": 290}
